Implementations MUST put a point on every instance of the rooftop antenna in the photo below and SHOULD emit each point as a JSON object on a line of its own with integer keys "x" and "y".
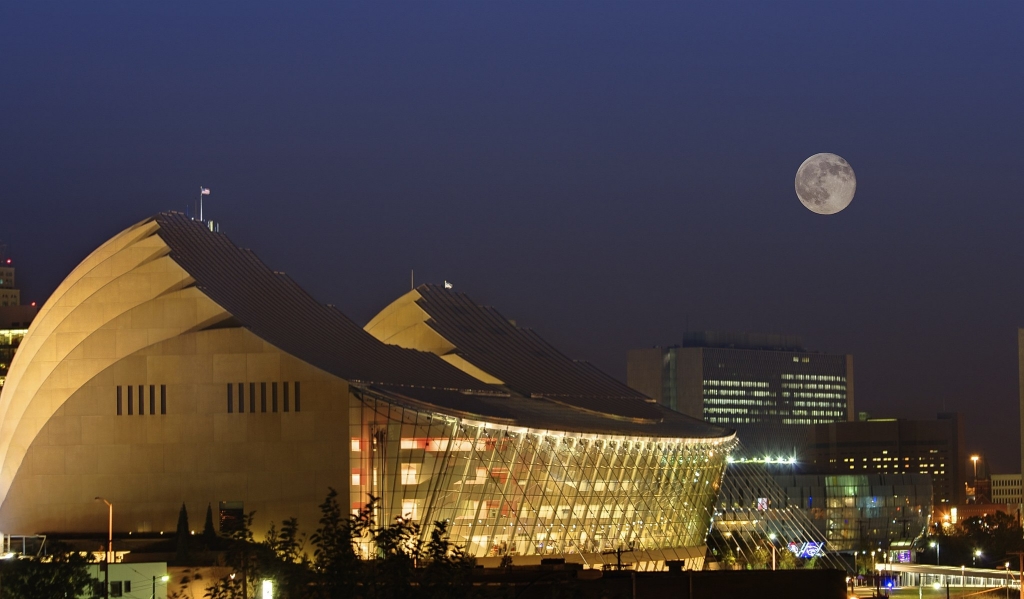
{"x": 412, "y": 279}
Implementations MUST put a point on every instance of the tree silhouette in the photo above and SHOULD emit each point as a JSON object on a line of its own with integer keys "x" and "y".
{"x": 209, "y": 532}
{"x": 182, "y": 535}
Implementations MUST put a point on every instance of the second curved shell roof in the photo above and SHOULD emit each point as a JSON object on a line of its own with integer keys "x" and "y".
{"x": 542, "y": 388}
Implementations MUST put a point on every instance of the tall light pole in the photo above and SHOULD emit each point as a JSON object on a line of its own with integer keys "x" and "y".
{"x": 110, "y": 546}
{"x": 935, "y": 544}
{"x": 164, "y": 580}
{"x": 975, "y": 459}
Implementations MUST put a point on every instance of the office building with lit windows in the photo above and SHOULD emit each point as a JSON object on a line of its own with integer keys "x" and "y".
{"x": 897, "y": 446}
{"x": 767, "y": 387}
{"x": 172, "y": 366}
{"x": 9, "y": 293}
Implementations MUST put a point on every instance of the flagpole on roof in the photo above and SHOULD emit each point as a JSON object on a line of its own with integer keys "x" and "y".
{"x": 203, "y": 191}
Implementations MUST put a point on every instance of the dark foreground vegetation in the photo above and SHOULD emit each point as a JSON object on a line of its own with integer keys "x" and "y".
{"x": 348, "y": 556}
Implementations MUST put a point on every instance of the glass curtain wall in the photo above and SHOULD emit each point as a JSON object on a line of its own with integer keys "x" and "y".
{"x": 877, "y": 510}
{"x": 510, "y": 491}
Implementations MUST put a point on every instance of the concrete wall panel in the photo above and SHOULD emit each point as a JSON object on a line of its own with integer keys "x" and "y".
{"x": 128, "y": 316}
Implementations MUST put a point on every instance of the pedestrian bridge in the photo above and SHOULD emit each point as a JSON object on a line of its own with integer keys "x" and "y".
{"x": 955, "y": 577}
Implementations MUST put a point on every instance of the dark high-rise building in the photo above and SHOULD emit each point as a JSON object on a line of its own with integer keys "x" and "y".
{"x": 768, "y": 387}
{"x": 894, "y": 446}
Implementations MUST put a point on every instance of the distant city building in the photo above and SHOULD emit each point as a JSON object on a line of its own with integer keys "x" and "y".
{"x": 9, "y": 293}
{"x": 768, "y": 387}
{"x": 896, "y": 446}
{"x": 14, "y": 318}
{"x": 853, "y": 512}
{"x": 980, "y": 510}
{"x": 1006, "y": 488}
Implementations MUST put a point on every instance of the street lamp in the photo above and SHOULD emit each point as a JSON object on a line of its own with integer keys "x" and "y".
{"x": 110, "y": 545}
{"x": 771, "y": 537}
{"x": 975, "y": 459}
{"x": 977, "y": 554}
{"x": 935, "y": 544}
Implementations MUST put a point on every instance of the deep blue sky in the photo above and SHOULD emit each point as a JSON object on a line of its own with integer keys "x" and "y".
{"x": 605, "y": 173}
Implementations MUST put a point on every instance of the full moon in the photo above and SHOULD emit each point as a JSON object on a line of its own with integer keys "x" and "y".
{"x": 825, "y": 183}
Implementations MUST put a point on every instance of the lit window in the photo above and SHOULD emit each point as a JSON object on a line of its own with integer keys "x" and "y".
{"x": 410, "y": 474}
{"x": 411, "y": 509}
{"x": 356, "y": 444}
{"x": 356, "y": 478}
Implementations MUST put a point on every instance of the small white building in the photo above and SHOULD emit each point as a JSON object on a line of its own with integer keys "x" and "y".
{"x": 1006, "y": 488}
{"x": 147, "y": 580}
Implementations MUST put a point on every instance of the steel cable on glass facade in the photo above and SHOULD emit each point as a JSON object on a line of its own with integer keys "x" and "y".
{"x": 512, "y": 491}
{"x": 753, "y": 507}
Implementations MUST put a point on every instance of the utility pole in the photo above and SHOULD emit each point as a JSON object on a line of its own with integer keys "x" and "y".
{"x": 1020, "y": 560}
{"x": 110, "y": 546}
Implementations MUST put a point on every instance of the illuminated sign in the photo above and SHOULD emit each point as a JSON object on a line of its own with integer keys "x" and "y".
{"x": 806, "y": 550}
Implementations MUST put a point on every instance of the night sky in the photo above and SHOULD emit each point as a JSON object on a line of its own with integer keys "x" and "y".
{"x": 609, "y": 174}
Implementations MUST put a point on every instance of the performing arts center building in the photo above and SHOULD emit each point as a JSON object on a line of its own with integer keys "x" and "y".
{"x": 173, "y": 366}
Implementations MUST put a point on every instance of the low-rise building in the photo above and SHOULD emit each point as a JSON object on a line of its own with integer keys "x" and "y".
{"x": 148, "y": 580}
{"x": 896, "y": 446}
{"x": 852, "y": 512}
